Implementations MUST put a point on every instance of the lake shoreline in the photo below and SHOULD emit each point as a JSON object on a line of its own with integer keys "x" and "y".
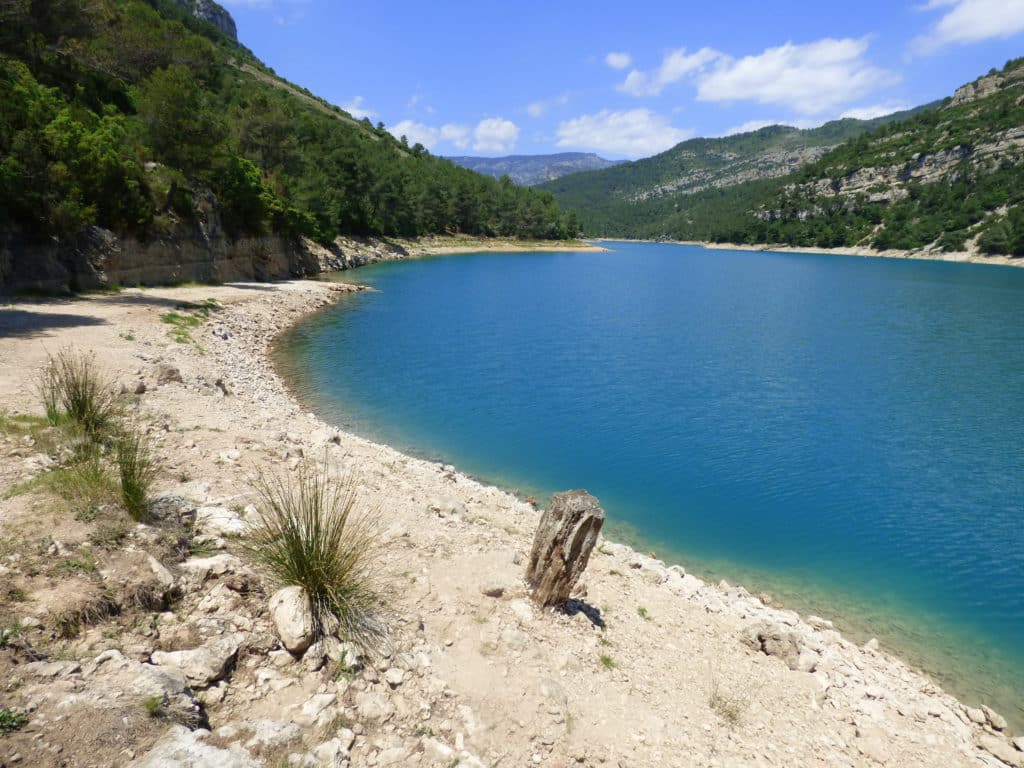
{"x": 955, "y": 257}
{"x": 449, "y": 539}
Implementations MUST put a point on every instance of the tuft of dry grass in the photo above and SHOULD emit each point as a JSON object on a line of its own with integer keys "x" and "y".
{"x": 72, "y": 387}
{"x": 310, "y": 534}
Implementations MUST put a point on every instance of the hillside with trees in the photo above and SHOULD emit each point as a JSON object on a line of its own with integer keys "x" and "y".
{"x": 135, "y": 116}
{"x": 946, "y": 177}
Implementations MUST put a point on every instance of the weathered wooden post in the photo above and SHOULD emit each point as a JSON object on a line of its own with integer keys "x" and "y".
{"x": 561, "y": 548}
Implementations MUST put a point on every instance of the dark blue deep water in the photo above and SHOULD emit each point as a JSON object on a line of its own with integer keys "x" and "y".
{"x": 846, "y": 433}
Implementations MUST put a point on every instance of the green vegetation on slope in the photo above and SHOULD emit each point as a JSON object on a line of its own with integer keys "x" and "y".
{"x": 936, "y": 177}
{"x": 123, "y": 113}
{"x": 699, "y": 164}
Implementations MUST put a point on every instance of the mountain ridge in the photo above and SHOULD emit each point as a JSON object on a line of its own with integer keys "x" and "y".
{"x": 530, "y": 170}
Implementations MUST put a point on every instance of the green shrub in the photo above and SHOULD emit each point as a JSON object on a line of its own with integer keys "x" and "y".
{"x": 309, "y": 534}
{"x": 11, "y": 721}
{"x": 136, "y": 469}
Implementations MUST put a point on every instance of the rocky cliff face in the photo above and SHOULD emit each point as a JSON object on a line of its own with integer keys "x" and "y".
{"x": 198, "y": 250}
{"x": 732, "y": 170}
{"x": 194, "y": 251}
{"x": 207, "y": 10}
{"x": 986, "y": 86}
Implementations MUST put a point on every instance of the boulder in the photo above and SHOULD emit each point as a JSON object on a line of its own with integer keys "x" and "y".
{"x": 202, "y": 568}
{"x": 997, "y": 721}
{"x": 203, "y": 665}
{"x": 182, "y": 748}
{"x": 293, "y": 618}
{"x": 138, "y": 579}
{"x": 219, "y": 521}
{"x": 566, "y": 536}
{"x": 168, "y": 374}
{"x": 774, "y": 640}
{"x": 1001, "y": 750}
{"x": 112, "y": 679}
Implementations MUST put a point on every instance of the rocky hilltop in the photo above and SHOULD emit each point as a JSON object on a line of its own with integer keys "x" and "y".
{"x": 211, "y": 12}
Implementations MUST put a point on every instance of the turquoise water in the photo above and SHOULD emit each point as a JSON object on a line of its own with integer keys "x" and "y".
{"x": 846, "y": 433}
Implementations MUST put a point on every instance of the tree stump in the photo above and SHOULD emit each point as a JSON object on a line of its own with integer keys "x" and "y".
{"x": 561, "y": 548}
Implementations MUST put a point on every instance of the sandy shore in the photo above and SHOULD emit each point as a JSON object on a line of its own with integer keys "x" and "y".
{"x": 654, "y": 667}
{"x": 960, "y": 257}
{"x": 440, "y": 245}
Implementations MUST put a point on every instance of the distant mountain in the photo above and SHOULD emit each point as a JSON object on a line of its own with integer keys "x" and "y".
{"x": 948, "y": 176}
{"x": 529, "y": 170}
{"x": 699, "y": 164}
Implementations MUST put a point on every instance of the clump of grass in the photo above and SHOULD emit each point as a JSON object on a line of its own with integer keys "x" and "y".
{"x": 71, "y": 386}
{"x": 730, "y": 704}
{"x": 608, "y": 662}
{"x": 11, "y": 721}
{"x": 729, "y": 708}
{"x": 9, "y": 634}
{"x": 643, "y": 613}
{"x": 154, "y": 706}
{"x": 48, "y": 389}
{"x": 309, "y": 534}
{"x": 87, "y": 484}
{"x": 137, "y": 471}
{"x": 182, "y": 324}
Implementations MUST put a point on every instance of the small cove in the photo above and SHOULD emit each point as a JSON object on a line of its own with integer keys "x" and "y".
{"x": 844, "y": 433}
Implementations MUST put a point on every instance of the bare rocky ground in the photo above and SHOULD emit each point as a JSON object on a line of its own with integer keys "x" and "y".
{"x": 153, "y": 645}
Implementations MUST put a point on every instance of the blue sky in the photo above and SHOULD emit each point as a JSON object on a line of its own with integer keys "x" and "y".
{"x": 625, "y": 80}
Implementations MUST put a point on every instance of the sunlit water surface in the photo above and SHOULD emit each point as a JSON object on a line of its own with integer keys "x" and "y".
{"x": 845, "y": 433}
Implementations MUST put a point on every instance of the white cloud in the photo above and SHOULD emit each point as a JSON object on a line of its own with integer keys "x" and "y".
{"x": 357, "y": 110}
{"x": 416, "y": 133}
{"x": 457, "y": 135}
{"x": 430, "y": 135}
{"x": 617, "y": 60}
{"x": 872, "y": 111}
{"x": 540, "y": 108}
{"x": 632, "y": 133}
{"x": 970, "y": 21}
{"x": 675, "y": 66}
{"x": 496, "y": 135}
{"x": 811, "y": 78}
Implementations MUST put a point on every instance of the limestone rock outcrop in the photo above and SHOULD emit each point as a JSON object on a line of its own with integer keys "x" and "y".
{"x": 211, "y": 12}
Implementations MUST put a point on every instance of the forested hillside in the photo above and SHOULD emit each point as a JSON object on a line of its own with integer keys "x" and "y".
{"x": 947, "y": 176}
{"x": 129, "y": 113}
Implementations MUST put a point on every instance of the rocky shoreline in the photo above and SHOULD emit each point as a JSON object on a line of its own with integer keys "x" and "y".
{"x": 651, "y": 666}
{"x": 958, "y": 257}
